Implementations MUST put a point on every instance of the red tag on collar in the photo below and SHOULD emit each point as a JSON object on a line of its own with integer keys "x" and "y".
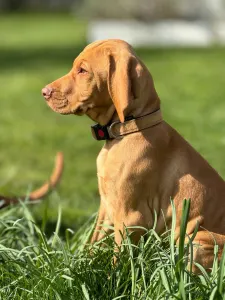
{"x": 100, "y": 132}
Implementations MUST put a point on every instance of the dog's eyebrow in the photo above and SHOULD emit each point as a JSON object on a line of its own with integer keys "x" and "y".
{"x": 80, "y": 62}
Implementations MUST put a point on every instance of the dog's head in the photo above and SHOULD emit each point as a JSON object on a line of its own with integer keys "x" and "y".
{"x": 107, "y": 81}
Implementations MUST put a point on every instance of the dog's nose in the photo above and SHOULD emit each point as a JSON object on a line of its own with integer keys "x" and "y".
{"x": 46, "y": 92}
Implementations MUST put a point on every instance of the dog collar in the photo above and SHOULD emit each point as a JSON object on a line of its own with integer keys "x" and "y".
{"x": 117, "y": 129}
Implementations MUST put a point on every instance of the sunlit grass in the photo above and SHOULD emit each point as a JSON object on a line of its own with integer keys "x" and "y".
{"x": 39, "y": 266}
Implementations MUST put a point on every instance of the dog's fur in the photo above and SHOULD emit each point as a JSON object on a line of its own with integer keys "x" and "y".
{"x": 139, "y": 173}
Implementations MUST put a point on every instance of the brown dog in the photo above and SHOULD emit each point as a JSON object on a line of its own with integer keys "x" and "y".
{"x": 144, "y": 161}
{"x": 43, "y": 190}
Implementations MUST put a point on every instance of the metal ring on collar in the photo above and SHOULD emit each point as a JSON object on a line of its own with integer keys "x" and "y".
{"x": 110, "y": 130}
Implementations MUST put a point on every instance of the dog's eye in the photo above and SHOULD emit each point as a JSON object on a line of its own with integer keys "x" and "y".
{"x": 81, "y": 70}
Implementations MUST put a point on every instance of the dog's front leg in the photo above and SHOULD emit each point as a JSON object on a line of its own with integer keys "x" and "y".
{"x": 130, "y": 221}
{"x": 103, "y": 225}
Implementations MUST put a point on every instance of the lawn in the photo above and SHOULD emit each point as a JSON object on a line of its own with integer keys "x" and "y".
{"x": 35, "y": 50}
{"x": 33, "y": 266}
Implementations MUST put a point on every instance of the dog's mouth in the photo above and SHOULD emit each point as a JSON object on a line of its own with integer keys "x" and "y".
{"x": 80, "y": 109}
{"x": 65, "y": 105}
{"x": 59, "y": 103}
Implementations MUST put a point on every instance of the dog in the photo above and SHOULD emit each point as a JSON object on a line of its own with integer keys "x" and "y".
{"x": 43, "y": 190}
{"x": 144, "y": 162}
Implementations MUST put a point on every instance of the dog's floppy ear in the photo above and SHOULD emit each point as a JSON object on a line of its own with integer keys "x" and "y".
{"x": 121, "y": 71}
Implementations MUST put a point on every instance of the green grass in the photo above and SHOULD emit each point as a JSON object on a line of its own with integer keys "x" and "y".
{"x": 35, "y": 50}
{"x": 33, "y": 266}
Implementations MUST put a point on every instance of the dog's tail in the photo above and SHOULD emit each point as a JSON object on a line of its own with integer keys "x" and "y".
{"x": 43, "y": 190}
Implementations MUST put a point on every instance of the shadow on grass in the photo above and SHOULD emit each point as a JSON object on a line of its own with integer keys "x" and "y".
{"x": 51, "y": 225}
{"x": 30, "y": 58}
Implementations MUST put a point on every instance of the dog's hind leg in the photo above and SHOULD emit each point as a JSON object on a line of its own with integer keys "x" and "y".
{"x": 203, "y": 249}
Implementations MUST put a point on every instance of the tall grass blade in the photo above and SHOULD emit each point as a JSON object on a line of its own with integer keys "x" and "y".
{"x": 221, "y": 274}
{"x": 57, "y": 226}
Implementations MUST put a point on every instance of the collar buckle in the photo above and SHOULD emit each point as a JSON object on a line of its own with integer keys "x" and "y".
{"x": 110, "y": 130}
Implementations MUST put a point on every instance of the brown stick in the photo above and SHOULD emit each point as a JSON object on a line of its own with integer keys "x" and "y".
{"x": 43, "y": 190}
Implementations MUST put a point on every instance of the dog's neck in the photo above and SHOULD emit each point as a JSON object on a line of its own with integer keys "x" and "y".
{"x": 102, "y": 115}
{"x": 106, "y": 114}
{"x": 138, "y": 110}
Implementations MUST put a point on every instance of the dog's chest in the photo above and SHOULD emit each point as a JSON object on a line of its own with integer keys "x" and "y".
{"x": 122, "y": 170}
{"x": 108, "y": 170}
{"x": 112, "y": 167}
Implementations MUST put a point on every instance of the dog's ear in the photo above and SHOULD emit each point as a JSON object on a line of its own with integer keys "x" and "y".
{"x": 121, "y": 78}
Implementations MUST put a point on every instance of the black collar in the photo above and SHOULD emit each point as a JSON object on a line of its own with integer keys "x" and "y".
{"x": 118, "y": 130}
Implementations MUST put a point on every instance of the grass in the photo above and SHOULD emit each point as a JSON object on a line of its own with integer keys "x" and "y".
{"x": 34, "y": 266}
{"x": 35, "y": 50}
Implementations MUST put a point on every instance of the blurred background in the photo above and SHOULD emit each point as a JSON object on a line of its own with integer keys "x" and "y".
{"x": 181, "y": 42}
